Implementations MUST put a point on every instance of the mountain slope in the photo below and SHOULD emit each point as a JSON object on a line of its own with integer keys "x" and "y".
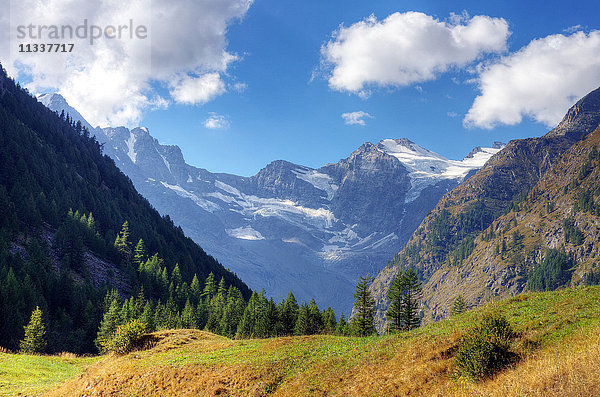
{"x": 443, "y": 247}
{"x": 49, "y": 166}
{"x": 291, "y": 227}
{"x": 556, "y": 346}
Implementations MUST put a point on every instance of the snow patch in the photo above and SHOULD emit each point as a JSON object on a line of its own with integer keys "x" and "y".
{"x": 245, "y": 233}
{"x": 318, "y": 180}
{"x": 206, "y": 205}
{"x": 164, "y": 159}
{"x": 130, "y": 147}
{"x": 288, "y": 210}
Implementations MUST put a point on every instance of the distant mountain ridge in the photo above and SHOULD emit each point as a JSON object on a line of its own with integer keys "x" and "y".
{"x": 459, "y": 246}
{"x": 291, "y": 227}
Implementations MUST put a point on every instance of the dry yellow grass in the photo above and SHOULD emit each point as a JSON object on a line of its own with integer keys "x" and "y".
{"x": 558, "y": 343}
{"x": 571, "y": 369}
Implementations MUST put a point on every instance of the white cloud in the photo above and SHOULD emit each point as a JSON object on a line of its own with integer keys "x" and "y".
{"x": 355, "y": 118}
{"x": 541, "y": 80}
{"x": 113, "y": 81}
{"x": 216, "y": 122}
{"x": 407, "y": 48}
{"x": 197, "y": 90}
{"x": 240, "y": 87}
{"x": 574, "y": 28}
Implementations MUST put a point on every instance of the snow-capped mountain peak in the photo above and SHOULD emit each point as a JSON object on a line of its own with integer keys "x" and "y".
{"x": 58, "y": 103}
{"x": 427, "y": 168}
{"x": 291, "y": 227}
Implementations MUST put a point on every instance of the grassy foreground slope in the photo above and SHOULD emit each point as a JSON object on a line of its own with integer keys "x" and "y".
{"x": 26, "y": 375}
{"x": 558, "y": 342}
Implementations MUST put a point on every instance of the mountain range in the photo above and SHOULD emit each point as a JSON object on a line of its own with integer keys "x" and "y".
{"x": 527, "y": 220}
{"x": 292, "y": 227}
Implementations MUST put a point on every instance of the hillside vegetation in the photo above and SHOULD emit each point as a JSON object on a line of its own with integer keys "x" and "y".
{"x": 556, "y": 350}
{"x": 69, "y": 223}
{"x": 495, "y": 234}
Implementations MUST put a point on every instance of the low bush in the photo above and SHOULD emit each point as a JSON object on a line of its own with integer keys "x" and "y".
{"x": 485, "y": 348}
{"x": 125, "y": 338}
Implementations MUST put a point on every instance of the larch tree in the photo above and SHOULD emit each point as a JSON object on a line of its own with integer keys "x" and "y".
{"x": 35, "y": 334}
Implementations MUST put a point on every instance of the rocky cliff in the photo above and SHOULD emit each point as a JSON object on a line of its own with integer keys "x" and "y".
{"x": 447, "y": 248}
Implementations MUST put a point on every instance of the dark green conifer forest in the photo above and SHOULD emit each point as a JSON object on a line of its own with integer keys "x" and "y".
{"x": 79, "y": 242}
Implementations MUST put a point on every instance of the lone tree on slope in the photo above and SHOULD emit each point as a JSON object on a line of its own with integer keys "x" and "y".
{"x": 364, "y": 319}
{"x": 35, "y": 334}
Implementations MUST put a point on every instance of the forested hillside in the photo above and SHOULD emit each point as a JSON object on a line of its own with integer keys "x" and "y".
{"x": 489, "y": 210}
{"x": 70, "y": 223}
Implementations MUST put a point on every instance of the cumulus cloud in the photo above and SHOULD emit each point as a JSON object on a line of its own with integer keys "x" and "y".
{"x": 216, "y": 122}
{"x": 541, "y": 80}
{"x": 407, "y": 48}
{"x": 355, "y": 118}
{"x": 198, "y": 90}
{"x": 113, "y": 81}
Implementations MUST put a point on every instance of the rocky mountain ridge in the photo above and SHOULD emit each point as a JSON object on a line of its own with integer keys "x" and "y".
{"x": 291, "y": 227}
{"x": 448, "y": 247}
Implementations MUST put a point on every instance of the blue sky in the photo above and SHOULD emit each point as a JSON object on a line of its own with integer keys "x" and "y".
{"x": 288, "y": 109}
{"x": 284, "y": 115}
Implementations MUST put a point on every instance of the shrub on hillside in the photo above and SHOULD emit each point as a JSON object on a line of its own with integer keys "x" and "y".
{"x": 125, "y": 338}
{"x": 485, "y": 349}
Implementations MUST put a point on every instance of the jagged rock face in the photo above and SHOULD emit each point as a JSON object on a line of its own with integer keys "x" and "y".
{"x": 521, "y": 166}
{"x": 364, "y": 196}
{"x": 290, "y": 227}
{"x": 489, "y": 273}
{"x": 583, "y": 116}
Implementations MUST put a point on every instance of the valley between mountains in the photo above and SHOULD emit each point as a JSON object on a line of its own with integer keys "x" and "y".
{"x": 505, "y": 244}
{"x": 293, "y": 228}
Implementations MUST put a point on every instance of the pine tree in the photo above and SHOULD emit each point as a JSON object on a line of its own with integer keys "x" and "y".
{"x": 315, "y": 319}
{"x": 234, "y": 310}
{"x": 412, "y": 299}
{"x": 222, "y": 289}
{"x": 272, "y": 319}
{"x": 139, "y": 254}
{"x": 195, "y": 291}
{"x": 122, "y": 243}
{"x": 35, "y": 334}
{"x": 215, "y": 312}
{"x": 289, "y": 314}
{"x": 164, "y": 280}
{"x": 176, "y": 278}
{"x": 91, "y": 223}
{"x": 301, "y": 327}
{"x": 147, "y": 317}
{"x": 261, "y": 312}
{"x": 364, "y": 319}
{"x": 170, "y": 315}
{"x": 201, "y": 314}
{"x": 246, "y": 325}
{"x": 210, "y": 288}
{"x": 459, "y": 306}
{"x": 342, "y": 326}
{"x": 110, "y": 321}
{"x": 188, "y": 316}
{"x": 329, "y": 321}
{"x": 404, "y": 295}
